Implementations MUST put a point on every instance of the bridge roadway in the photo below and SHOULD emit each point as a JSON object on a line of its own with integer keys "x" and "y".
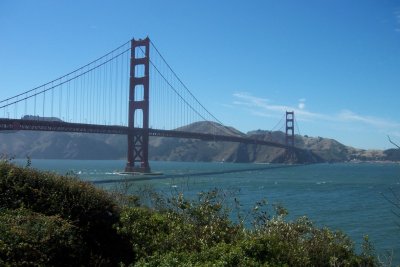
{"x": 60, "y": 126}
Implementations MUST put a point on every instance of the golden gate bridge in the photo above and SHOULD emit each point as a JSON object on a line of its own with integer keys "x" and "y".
{"x": 125, "y": 92}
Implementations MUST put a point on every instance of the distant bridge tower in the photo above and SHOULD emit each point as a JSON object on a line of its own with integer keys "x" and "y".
{"x": 138, "y": 138}
{"x": 289, "y": 140}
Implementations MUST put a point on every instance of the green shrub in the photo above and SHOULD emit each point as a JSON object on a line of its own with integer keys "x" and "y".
{"x": 29, "y": 238}
{"x": 282, "y": 244}
{"x": 209, "y": 215}
{"x": 180, "y": 225}
{"x": 86, "y": 207}
{"x": 46, "y": 219}
{"x": 186, "y": 232}
{"x": 52, "y": 194}
{"x": 149, "y": 232}
{"x": 219, "y": 255}
{"x": 299, "y": 243}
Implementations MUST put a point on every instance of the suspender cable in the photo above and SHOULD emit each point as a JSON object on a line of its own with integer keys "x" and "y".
{"x": 44, "y": 102}
{"x": 72, "y": 72}
{"x": 176, "y": 76}
{"x": 189, "y": 92}
{"x": 25, "y": 108}
{"x": 67, "y": 115}
{"x": 34, "y": 109}
{"x": 297, "y": 126}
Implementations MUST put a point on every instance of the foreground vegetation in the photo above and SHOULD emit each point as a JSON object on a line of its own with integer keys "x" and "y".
{"x": 52, "y": 220}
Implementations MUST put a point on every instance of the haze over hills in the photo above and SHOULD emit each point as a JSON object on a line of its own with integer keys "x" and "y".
{"x": 56, "y": 145}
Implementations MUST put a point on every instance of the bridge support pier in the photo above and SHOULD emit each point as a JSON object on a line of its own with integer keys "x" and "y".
{"x": 138, "y": 138}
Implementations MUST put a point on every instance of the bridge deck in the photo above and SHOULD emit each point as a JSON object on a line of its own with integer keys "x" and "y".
{"x": 60, "y": 126}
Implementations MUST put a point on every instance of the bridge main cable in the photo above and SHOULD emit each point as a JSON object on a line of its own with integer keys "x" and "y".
{"x": 187, "y": 90}
{"x": 61, "y": 83}
{"x": 68, "y": 74}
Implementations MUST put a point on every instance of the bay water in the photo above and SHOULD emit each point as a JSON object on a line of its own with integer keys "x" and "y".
{"x": 351, "y": 197}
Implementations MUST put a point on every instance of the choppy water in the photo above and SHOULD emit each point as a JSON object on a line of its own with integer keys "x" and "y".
{"x": 339, "y": 196}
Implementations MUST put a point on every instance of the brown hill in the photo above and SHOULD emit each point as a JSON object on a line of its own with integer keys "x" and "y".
{"x": 49, "y": 145}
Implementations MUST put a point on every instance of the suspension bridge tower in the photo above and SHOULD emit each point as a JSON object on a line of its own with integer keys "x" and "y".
{"x": 138, "y": 138}
{"x": 289, "y": 136}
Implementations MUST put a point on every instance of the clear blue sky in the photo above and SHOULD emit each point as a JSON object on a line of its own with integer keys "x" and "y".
{"x": 336, "y": 63}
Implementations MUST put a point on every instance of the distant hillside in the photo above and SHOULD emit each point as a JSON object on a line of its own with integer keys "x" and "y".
{"x": 52, "y": 145}
{"x": 330, "y": 150}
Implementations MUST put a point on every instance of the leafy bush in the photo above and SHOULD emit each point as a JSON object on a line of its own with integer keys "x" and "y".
{"x": 219, "y": 255}
{"x": 185, "y": 232}
{"x": 46, "y": 219}
{"x": 299, "y": 243}
{"x": 80, "y": 203}
{"x": 181, "y": 225}
{"x": 52, "y": 194}
{"x": 29, "y": 238}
